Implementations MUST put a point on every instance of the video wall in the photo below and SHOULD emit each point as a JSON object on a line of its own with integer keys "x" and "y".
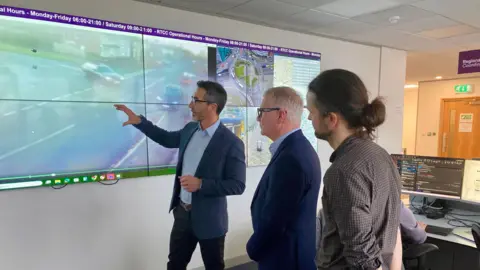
{"x": 60, "y": 76}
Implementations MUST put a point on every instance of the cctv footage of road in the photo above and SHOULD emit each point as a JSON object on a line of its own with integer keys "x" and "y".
{"x": 59, "y": 86}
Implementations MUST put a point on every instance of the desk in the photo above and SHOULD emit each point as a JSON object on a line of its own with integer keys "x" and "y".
{"x": 454, "y": 252}
{"x": 442, "y": 222}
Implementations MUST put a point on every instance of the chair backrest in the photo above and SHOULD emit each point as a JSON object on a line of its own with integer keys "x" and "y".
{"x": 417, "y": 252}
{"x": 476, "y": 235}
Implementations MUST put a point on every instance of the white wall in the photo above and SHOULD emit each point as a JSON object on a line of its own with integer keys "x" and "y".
{"x": 410, "y": 101}
{"x": 392, "y": 80}
{"x": 126, "y": 226}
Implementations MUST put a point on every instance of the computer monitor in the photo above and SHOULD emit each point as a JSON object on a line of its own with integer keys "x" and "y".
{"x": 471, "y": 181}
{"x": 440, "y": 176}
{"x": 407, "y": 167}
{"x": 431, "y": 176}
{"x": 397, "y": 160}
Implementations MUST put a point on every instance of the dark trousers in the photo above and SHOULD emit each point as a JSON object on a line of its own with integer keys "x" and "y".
{"x": 183, "y": 243}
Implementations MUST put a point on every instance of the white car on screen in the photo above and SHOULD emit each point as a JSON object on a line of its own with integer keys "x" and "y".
{"x": 102, "y": 72}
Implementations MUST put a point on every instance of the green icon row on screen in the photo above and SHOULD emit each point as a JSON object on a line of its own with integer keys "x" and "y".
{"x": 82, "y": 179}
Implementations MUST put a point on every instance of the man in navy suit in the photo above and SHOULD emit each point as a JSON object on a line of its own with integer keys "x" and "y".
{"x": 211, "y": 165}
{"x": 285, "y": 203}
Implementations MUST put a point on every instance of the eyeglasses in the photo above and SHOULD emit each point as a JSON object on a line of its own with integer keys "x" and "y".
{"x": 196, "y": 100}
{"x": 260, "y": 111}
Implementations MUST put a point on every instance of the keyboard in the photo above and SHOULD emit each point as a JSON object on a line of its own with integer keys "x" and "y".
{"x": 438, "y": 230}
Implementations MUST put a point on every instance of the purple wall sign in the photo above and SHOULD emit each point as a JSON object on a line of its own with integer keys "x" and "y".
{"x": 116, "y": 26}
{"x": 469, "y": 62}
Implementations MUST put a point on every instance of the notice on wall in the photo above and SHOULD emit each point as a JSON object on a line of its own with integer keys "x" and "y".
{"x": 466, "y": 122}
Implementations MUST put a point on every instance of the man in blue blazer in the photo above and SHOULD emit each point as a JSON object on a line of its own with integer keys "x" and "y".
{"x": 211, "y": 165}
{"x": 285, "y": 203}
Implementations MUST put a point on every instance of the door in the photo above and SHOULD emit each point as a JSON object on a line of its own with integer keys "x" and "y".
{"x": 459, "y": 135}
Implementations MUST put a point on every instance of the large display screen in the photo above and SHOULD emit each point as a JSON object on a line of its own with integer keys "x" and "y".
{"x": 60, "y": 76}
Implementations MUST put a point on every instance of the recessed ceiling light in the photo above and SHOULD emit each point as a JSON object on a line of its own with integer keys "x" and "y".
{"x": 394, "y": 19}
{"x": 438, "y": 77}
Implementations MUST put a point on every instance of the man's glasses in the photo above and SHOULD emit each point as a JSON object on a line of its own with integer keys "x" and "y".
{"x": 260, "y": 111}
{"x": 196, "y": 100}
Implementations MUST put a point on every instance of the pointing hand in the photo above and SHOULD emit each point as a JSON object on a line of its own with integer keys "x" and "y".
{"x": 133, "y": 119}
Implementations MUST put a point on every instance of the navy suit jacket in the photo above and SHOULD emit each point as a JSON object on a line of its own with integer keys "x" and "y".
{"x": 284, "y": 208}
{"x": 222, "y": 169}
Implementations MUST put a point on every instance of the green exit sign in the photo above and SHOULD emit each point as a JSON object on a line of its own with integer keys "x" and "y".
{"x": 463, "y": 88}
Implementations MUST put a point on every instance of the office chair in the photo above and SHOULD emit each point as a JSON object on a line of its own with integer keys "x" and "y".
{"x": 476, "y": 237}
{"x": 417, "y": 253}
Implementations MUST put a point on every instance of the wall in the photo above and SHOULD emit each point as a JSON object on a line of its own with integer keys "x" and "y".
{"x": 127, "y": 226}
{"x": 429, "y": 97}
{"x": 410, "y": 101}
{"x": 392, "y": 80}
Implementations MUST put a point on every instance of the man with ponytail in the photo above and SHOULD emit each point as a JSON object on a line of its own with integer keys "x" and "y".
{"x": 361, "y": 196}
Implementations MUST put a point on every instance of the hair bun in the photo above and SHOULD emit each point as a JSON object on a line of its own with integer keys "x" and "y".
{"x": 373, "y": 114}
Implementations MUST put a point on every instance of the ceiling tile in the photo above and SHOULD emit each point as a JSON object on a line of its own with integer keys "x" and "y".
{"x": 420, "y": 44}
{"x": 380, "y": 36}
{"x": 343, "y": 28}
{"x": 465, "y": 11}
{"x": 352, "y": 8}
{"x": 475, "y": 46}
{"x": 451, "y": 31}
{"x": 307, "y": 3}
{"x": 260, "y": 10}
{"x": 407, "y": 14}
{"x": 312, "y": 19}
{"x": 426, "y": 24}
{"x": 396, "y": 39}
{"x": 466, "y": 40}
{"x": 405, "y": 2}
{"x": 205, "y": 6}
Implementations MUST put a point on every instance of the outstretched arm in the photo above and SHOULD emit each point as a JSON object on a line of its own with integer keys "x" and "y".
{"x": 168, "y": 139}
{"x": 235, "y": 174}
{"x": 164, "y": 138}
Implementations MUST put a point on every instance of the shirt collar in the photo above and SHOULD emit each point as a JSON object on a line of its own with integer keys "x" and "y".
{"x": 211, "y": 129}
{"x": 274, "y": 146}
{"x": 343, "y": 147}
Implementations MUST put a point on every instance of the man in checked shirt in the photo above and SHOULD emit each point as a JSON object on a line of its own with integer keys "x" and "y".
{"x": 361, "y": 196}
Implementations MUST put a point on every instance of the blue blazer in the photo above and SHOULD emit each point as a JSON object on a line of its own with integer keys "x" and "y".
{"x": 284, "y": 208}
{"x": 222, "y": 169}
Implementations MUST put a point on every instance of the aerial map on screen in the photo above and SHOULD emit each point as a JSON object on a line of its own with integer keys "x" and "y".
{"x": 60, "y": 76}
{"x": 245, "y": 74}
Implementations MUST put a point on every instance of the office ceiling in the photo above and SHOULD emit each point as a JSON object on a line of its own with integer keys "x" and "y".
{"x": 412, "y": 25}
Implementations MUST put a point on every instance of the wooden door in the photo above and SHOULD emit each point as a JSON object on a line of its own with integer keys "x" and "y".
{"x": 459, "y": 135}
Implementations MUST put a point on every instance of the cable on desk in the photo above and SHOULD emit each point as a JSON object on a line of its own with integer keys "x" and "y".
{"x": 452, "y": 219}
{"x": 427, "y": 208}
{"x": 466, "y": 215}
{"x": 457, "y": 220}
